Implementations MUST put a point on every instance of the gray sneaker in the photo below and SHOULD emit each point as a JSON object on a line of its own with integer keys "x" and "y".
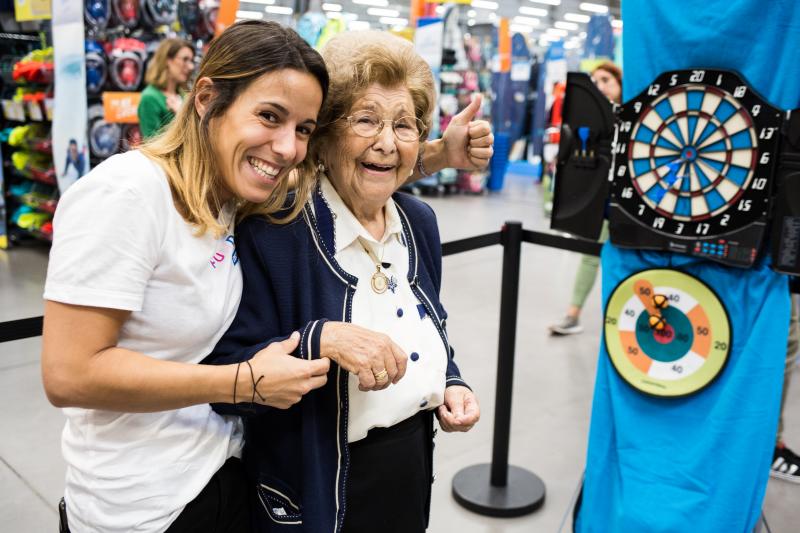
{"x": 568, "y": 326}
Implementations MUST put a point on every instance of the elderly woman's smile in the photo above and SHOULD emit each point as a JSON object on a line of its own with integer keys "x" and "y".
{"x": 376, "y": 151}
{"x": 377, "y": 169}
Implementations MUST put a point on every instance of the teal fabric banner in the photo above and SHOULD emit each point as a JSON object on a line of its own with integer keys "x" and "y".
{"x": 698, "y": 464}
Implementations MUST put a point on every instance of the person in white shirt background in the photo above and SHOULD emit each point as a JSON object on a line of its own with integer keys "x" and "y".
{"x": 144, "y": 278}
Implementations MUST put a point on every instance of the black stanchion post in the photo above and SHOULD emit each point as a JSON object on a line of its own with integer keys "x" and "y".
{"x": 501, "y": 489}
{"x": 509, "y": 302}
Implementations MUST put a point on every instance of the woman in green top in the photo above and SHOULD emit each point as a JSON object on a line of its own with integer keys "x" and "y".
{"x": 167, "y": 76}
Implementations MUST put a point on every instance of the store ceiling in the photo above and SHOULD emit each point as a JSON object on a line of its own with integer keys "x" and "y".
{"x": 536, "y": 18}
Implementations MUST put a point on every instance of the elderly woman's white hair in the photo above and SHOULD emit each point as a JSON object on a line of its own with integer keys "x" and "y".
{"x": 356, "y": 60}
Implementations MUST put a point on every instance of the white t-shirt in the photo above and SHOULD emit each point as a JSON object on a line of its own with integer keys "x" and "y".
{"x": 120, "y": 243}
{"x": 394, "y": 313}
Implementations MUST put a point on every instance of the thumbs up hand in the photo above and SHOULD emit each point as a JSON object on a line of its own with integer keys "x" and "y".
{"x": 468, "y": 142}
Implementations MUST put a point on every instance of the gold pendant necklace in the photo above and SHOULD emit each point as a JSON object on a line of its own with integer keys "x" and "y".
{"x": 379, "y": 281}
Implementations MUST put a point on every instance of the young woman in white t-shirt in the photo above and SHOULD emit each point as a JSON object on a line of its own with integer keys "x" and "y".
{"x": 143, "y": 280}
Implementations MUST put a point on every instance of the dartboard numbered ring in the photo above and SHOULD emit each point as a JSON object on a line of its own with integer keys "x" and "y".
{"x": 666, "y": 332}
{"x": 695, "y": 154}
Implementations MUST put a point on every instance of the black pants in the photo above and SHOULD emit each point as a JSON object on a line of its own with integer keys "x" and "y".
{"x": 221, "y": 507}
{"x": 389, "y": 485}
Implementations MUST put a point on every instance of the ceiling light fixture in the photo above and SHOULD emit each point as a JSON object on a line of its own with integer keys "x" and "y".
{"x": 279, "y": 10}
{"x": 526, "y": 20}
{"x": 393, "y": 21}
{"x": 520, "y": 28}
{"x": 565, "y": 25}
{"x": 376, "y": 3}
{"x": 593, "y": 8}
{"x": 380, "y": 12}
{"x": 577, "y": 17}
{"x": 533, "y": 11}
{"x": 250, "y": 15}
{"x": 483, "y": 4}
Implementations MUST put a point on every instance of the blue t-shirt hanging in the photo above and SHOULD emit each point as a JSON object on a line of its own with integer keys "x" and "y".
{"x": 699, "y": 463}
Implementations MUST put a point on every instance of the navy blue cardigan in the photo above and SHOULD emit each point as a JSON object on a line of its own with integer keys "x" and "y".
{"x": 297, "y": 459}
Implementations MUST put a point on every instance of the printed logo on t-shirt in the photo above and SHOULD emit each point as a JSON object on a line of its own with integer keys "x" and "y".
{"x": 229, "y": 250}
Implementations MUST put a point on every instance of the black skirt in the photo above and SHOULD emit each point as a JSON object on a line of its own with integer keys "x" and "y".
{"x": 389, "y": 481}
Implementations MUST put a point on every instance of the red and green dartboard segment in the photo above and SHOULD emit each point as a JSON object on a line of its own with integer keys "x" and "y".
{"x": 666, "y": 332}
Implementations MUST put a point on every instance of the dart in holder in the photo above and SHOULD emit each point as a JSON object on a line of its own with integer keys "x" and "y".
{"x": 584, "y": 155}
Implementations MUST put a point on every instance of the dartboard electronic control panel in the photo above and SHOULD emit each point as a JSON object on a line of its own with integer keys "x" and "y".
{"x": 693, "y": 165}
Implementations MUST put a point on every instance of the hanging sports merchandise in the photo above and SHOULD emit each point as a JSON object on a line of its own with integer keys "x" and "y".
{"x": 209, "y": 9}
{"x": 693, "y": 169}
{"x": 3, "y": 226}
{"x": 96, "y": 67}
{"x": 157, "y": 13}
{"x": 189, "y": 17}
{"x": 666, "y": 332}
{"x": 130, "y": 137}
{"x": 69, "y": 115}
{"x": 96, "y": 13}
{"x": 126, "y": 12}
{"x": 126, "y": 63}
{"x": 520, "y": 78}
{"x": 104, "y": 137}
{"x": 311, "y": 23}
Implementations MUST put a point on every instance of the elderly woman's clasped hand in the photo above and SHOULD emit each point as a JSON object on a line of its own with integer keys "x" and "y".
{"x": 460, "y": 410}
{"x": 374, "y": 357}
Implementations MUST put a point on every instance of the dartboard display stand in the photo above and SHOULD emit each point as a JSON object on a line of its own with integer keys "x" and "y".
{"x": 698, "y": 163}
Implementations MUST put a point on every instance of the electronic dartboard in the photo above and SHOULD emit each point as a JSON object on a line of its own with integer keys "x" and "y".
{"x": 697, "y": 163}
{"x": 666, "y": 332}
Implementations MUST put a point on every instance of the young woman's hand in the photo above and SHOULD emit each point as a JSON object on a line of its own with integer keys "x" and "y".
{"x": 281, "y": 379}
{"x": 373, "y": 357}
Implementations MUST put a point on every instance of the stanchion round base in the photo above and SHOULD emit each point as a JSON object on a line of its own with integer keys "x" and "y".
{"x": 523, "y": 494}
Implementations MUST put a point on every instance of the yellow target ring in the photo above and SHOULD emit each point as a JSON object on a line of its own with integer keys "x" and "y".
{"x": 666, "y": 332}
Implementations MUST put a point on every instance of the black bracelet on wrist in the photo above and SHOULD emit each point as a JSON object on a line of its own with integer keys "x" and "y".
{"x": 255, "y": 384}
{"x": 236, "y": 381}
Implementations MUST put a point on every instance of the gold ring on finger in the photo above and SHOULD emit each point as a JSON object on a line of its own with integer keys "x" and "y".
{"x": 383, "y": 375}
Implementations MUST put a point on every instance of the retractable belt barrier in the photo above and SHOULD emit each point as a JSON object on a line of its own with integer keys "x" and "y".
{"x": 496, "y": 489}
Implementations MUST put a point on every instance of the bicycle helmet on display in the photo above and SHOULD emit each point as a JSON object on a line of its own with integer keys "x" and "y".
{"x": 104, "y": 137}
{"x": 209, "y": 9}
{"x": 131, "y": 137}
{"x": 126, "y": 63}
{"x": 189, "y": 16}
{"x": 96, "y": 13}
{"x": 96, "y": 66}
{"x": 157, "y": 13}
{"x": 126, "y": 12}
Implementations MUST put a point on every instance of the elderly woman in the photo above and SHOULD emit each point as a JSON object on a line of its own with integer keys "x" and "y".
{"x": 359, "y": 274}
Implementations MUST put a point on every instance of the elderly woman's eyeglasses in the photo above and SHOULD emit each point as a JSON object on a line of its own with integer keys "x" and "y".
{"x": 369, "y": 124}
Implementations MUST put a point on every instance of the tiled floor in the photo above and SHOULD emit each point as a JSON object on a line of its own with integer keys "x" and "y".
{"x": 552, "y": 386}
